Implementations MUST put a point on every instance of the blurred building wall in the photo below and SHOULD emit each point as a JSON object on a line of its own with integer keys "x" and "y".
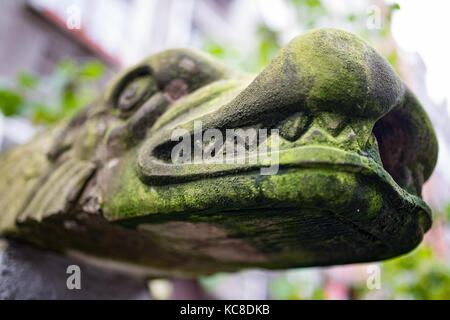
{"x": 30, "y": 43}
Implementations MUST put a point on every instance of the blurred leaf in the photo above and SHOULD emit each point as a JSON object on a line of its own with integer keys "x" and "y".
{"x": 351, "y": 18}
{"x": 447, "y": 211}
{"x": 10, "y": 102}
{"x": 92, "y": 70}
{"x": 215, "y": 49}
{"x": 395, "y": 6}
{"x": 308, "y": 3}
{"x": 392, "y": 8}
{"x": 69, "y": 100}
{"x": 314, "y": 3}
{"x": 67, "y": 66}
{"x": 27, "y": 80}
{"x": 42, "y": 113}
{"x": 393, "y": 60}
{"x": 268, "y": 46}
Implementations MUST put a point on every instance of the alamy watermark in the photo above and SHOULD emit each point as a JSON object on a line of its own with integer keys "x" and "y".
{"x": 231, "y": 146}
{"x": 74, "y": 280}
{"x": 374, "y": 20}
{"x": 373, "y": 281}
{"x": 73, "y": 21}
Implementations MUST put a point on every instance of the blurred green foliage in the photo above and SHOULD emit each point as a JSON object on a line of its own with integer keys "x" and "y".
{"x": 267, "y": 47}
{"x": 421, "y": 274}
{"x": 48, "y": 99}
{"x": 309, "y": 14}
{"x": 297, "y": 285}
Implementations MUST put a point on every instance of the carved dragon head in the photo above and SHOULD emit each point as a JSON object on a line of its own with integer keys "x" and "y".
{"x": 355, "y": 147}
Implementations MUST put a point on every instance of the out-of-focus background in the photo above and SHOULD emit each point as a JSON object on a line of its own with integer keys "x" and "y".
{"x": 56, "y": 56}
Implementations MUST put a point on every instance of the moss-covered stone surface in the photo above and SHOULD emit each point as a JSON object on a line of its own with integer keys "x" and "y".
{"x": 355, "y": 149}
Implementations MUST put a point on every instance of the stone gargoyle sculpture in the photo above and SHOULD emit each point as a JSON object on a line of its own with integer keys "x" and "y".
{"x": 354, "y": 148}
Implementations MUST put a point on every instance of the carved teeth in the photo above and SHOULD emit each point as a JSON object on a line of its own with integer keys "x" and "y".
{"x": 349, "y": 139}
{"x": 333, "y": 123}
{"x": 317, "y": 135}
{"x": 293, "y": 127}
{"x": 316, "y": 132}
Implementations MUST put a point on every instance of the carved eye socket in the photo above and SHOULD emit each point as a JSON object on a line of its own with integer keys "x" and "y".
{"x": 135, "y": 93}
{"x": 133, "y": 90}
